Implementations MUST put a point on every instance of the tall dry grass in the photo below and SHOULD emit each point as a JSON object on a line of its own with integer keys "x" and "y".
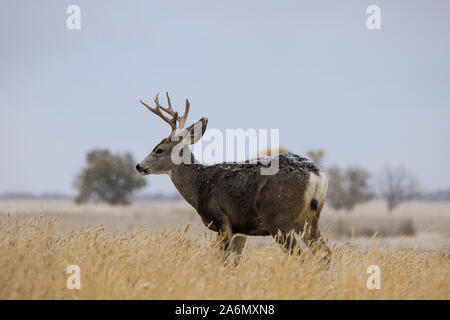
{"x": 172, "y": 265}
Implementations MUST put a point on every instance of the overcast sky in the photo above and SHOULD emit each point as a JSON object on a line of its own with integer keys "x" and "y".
{"x": 310, "y": 68}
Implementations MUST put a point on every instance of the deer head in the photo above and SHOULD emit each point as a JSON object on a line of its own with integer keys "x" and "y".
{"x": 159, "y": 161}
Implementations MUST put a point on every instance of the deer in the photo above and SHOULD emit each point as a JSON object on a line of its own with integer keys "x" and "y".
{"x": 235, "y": 199}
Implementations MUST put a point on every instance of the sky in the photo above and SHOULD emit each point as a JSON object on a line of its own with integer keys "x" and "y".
{"x": 310, "y": 68}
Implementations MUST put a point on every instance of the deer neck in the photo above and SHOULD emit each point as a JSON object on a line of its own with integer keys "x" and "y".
{"x": 186, "y": 179}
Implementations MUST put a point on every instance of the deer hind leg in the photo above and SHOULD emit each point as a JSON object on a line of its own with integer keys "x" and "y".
{"x": 310, "y": 229}
{"x": 313, "y": 239}
{"x": 231, "y": 243}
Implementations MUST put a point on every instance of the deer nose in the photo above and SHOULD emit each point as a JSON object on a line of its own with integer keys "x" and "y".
{"x": 138, "y": 167}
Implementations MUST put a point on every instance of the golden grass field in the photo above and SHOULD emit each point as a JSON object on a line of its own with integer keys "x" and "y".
{"x": 147, "y": 251}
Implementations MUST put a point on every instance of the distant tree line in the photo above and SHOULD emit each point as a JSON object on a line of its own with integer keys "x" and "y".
{"x": 350, "y": 186}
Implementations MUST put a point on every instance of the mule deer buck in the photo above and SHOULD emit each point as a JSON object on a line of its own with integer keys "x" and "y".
{"x": 234, "y": 198}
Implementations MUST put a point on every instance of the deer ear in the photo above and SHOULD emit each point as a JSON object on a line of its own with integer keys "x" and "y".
{"x": 197, "y": 129}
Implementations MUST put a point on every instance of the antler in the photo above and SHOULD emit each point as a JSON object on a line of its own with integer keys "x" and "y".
{"x": 170, "y": 111}
{"x": 172, "y": 122}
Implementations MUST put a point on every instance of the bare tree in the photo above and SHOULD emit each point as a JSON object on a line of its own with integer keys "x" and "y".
{"x": 348, "y": 187}
{"x": 316, "y": 156}
{"x": 396, "y": 186}
{"x": 336, "y": 193}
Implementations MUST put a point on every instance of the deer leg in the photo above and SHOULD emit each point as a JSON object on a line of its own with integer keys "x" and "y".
{"x": 238, "y": 244}
{"x": 314, "y": 240}
{"x": 231, "y": 242}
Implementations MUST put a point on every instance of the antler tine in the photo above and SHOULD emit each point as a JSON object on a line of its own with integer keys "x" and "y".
{"x": 182, "y": 120}
{"x": 172, "y": 122}
{"x": 170, "y": 111}
{"x": 168, "y": 101}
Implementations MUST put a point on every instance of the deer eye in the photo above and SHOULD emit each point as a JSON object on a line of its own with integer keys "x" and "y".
{"x": 159, "y": 151}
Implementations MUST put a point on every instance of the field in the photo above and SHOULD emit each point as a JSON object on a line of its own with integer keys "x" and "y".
{"x": 162, "y": 251}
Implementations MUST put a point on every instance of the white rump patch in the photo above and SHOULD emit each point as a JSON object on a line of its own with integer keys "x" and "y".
{"x": 317, "y": 189}
{"x": 310, "y": 191}
{"x": 323, "y": 189}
